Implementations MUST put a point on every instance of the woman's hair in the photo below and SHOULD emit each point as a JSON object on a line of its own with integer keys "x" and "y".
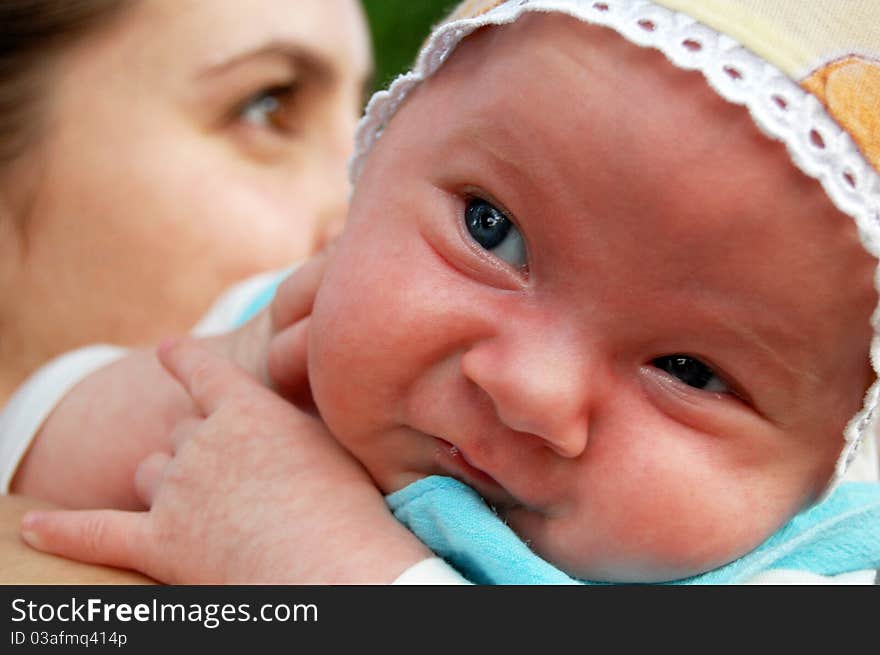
{"x": 32, "y": 34}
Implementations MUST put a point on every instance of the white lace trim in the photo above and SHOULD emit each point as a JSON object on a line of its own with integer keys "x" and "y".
{"x": 781, "y": 109}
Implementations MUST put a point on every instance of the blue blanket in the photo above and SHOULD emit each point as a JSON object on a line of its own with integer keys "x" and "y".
{"x": 839, "y": 535}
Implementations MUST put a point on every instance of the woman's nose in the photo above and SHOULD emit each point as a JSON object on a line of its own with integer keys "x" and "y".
{"x": 333, "y": 187}
{"x": 538, "y": 387}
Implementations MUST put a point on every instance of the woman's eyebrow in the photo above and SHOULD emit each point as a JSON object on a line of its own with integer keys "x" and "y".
{"x": 297, "y": 53}
{"x": 322, "y": 66}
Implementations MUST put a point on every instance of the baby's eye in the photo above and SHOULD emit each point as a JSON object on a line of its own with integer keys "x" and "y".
{"x": 495, "y": 232}
{"x": 691, "y": 371}
{"x": 271, "y": 108}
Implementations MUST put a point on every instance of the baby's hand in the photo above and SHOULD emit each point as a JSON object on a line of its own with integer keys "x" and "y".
{"x": 289, "y": 315}
{"x": 91, "y": 428}
{"x": 272, "y": 345}
{"x": 256, "y": 492}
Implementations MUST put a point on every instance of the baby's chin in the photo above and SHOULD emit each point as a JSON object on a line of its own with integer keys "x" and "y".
{"x": 610, "y": 567}
{"x": 636, "y": 559}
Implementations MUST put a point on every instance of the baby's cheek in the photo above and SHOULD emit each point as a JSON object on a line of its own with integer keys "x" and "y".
{"x": 355, "y": 361}
{"x": 669, "y": 538}
{"x": 647, "y": 520}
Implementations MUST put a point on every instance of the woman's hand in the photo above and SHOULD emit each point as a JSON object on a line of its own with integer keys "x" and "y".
{"x": 257, "y": 491}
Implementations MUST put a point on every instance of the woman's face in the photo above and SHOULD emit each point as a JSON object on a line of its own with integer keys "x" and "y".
{"x": 187, "y": 144}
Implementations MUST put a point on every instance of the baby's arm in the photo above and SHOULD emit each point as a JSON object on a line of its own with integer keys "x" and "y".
{"x": 257, "y": 491}
{"x": 86, "y": 452}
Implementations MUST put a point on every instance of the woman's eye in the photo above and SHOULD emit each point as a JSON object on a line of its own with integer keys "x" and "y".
{"x": 691, "y": 371}
{"x": 271, "y": 108}
{"x": 495, "y": 232}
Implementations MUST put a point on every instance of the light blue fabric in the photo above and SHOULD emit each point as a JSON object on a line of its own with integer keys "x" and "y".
{"x": 263, "y": 298}
{"x": 841, "y": 534}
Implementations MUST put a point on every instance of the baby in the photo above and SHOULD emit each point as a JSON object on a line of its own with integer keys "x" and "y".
{"x": 582, "y": 282}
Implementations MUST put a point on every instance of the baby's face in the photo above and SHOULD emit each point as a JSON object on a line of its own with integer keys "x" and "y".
{"x": 577, "y": 280}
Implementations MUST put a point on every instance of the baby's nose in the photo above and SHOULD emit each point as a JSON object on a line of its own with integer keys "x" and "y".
{"x": 539, "y": 390}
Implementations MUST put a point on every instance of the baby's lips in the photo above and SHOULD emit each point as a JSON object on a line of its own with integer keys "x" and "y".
{"x": 473, "y": 475}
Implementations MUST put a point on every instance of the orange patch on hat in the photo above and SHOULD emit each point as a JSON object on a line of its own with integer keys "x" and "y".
{"x": 850, "y": 90}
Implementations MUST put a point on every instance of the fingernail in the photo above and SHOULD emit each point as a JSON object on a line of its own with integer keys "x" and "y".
{"x": 28, "y": 529}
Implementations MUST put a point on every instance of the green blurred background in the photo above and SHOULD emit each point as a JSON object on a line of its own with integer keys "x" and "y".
{"x": 399, "y": 27}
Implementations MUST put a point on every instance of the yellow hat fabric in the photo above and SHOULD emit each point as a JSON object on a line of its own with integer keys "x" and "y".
{"x": 831, "y": 47}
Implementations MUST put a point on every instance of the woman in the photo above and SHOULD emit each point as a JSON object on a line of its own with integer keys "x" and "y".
{"x": 153, "y": 152}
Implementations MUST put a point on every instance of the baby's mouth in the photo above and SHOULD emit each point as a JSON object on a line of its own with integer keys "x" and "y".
{"x": 457, "y": 464}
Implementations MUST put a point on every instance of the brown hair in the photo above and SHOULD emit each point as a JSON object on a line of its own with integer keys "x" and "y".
{"x": 32, "y": 34}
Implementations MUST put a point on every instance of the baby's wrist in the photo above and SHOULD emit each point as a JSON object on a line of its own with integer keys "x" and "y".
{"x": 383, "y": 554}
{"x": 364, "y": 546}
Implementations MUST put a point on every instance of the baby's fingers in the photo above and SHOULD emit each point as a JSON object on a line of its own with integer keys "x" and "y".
{"x": 185, "y": 429}
{"x": 109, "y": 537}
{"x": 296, "y": 294}
{"x": 287, "y": 360}
{"x": 208, "y": 378}
{"x": 149, "y": 475}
